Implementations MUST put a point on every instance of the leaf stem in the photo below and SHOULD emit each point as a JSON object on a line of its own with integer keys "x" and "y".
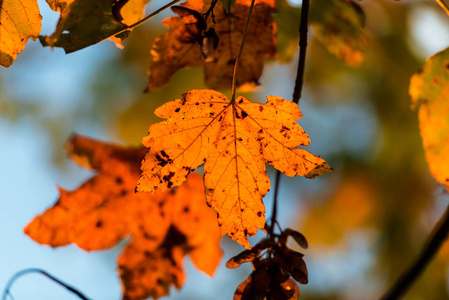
{"x": 436, "y": 238}
{"x": 237, "y": 60}
{"x": 443, "y": 5}
{"x": 150, "y": 16}
{"x": 303, "y": 30}
{"x": 16, "y": 276}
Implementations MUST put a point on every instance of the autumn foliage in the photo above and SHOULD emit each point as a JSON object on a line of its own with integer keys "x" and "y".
{"x": 156, "y": 199}
{"x": 162, "y": 228}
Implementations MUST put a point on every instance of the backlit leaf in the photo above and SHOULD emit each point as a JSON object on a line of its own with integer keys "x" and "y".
{"x": 188, "y": 43}
{"x": 338, "y": 25}
{"x": 429, "y": 90}
{"x": 19, "y": 21}
{"x": 233, "y": 141}
{"x": 163, "y": 228}
{"x": 85, "y": 22}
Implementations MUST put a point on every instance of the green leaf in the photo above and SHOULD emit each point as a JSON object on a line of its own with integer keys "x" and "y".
{"x": 87, "y": 22}
{"x": 338, "y": 25}
{"x": 429, "y": 90}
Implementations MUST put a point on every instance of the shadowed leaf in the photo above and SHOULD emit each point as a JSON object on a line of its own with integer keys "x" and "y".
{"x": 187, "y": 43}
{"x": 338, "y": 25}
{"x": 85, "y": 22}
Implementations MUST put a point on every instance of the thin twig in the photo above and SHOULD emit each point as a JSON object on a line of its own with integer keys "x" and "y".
{"x": 444, "y": 6}
{"x": 150, "y": 16}
{"x": 275, "y": 204}
{"x": 303, "y": 30}
{"x": 16, "y": 276}
{"x": 437, "y": 237}
{"x": 237, "y": 60}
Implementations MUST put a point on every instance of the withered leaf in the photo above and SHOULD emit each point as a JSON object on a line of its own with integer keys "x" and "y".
{"x": 297, "y": 236}
{"x": 338, "y": 25}
{"x": 187, "y": 44}
{"x": 163, "y": 227}
{"x": 233, "y": 140}
{"x": 19, "y": 21}
{"x": 429, "y": 90}
{"x": 245, "y": 256}
{"x": 85, "y": 22}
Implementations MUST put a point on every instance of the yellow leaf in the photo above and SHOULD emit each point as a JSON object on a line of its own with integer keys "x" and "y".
{"x": 163, "y": 228}
{"x": 233, "y": 141}
{"x": 19, "y": 21}
{"x": 429, "y": 90}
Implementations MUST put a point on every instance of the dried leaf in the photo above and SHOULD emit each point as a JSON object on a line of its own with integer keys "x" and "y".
{"x": 163, "y": 228}
{"x": 243, "y": 257}
{"x": 85, "y": 22}
{"x": 429, "y": 90}
{"x": 233, "y": 141}
{"x": 19, "y": 21}
{"x": 183, "y": 47}
{"x": 244, "y": 290}
{"x": 297, "y": 236}
{"x": 59, "y": 5}
{"x": 338, "y": 25}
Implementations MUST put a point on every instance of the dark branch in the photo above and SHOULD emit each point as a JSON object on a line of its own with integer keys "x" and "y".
{"x": 437, "y": 237}
{"x": 19, "y": 274}
{"x": 303, "y": 30}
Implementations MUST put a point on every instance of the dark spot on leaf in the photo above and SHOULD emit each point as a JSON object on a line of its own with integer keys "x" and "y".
{"x": 123, "y": 193}
{"x": 241, "y": 101}
{"x": 99, "y": 224}
{"x": 245, "y": 231}
{"x": 259, "y": 214}
{"x": 244, "y": 114}
{"x": 186, "y": 209}
{"x": 219, "y": 119}
{"x": 178, "y": 109}
{"x": 239, "y": 139}
{"x": 197, "y": 103}
{"x": 119, "y": 180}
{"x": 260, "y": 108}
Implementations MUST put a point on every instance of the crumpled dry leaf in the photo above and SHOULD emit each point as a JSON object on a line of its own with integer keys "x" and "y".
{"x": 338, "y": 25}
{"x": 189, "y": 40}
{"x": 429, "y": 90}
{"x": 20, "y": 20}
{"x": 163, "y": 228}
{"x": 85, "y": 22}
{"x": 233, "y": 141}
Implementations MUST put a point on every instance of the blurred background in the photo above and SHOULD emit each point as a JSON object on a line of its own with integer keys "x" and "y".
{"x": 365, "y": 222}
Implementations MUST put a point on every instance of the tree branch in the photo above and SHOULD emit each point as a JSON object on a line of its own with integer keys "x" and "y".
{"x": 438, "y": 235}
{"x": 303, "y": 30}
{"x": 443, "y": 5}
{"x": 16, "y": 276}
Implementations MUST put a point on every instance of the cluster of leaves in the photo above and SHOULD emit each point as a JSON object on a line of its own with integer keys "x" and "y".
{"x": 273, "y": 265}
{"x": 205, "y": 33}
{"x": 232, "y": 138}
{"x": 161, "y": 229}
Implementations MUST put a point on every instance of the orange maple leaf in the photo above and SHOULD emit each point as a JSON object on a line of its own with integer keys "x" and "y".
{"x": 163, "y": 227}
{"x": 190, "y": 43}
{"x": 233, "y": 140}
